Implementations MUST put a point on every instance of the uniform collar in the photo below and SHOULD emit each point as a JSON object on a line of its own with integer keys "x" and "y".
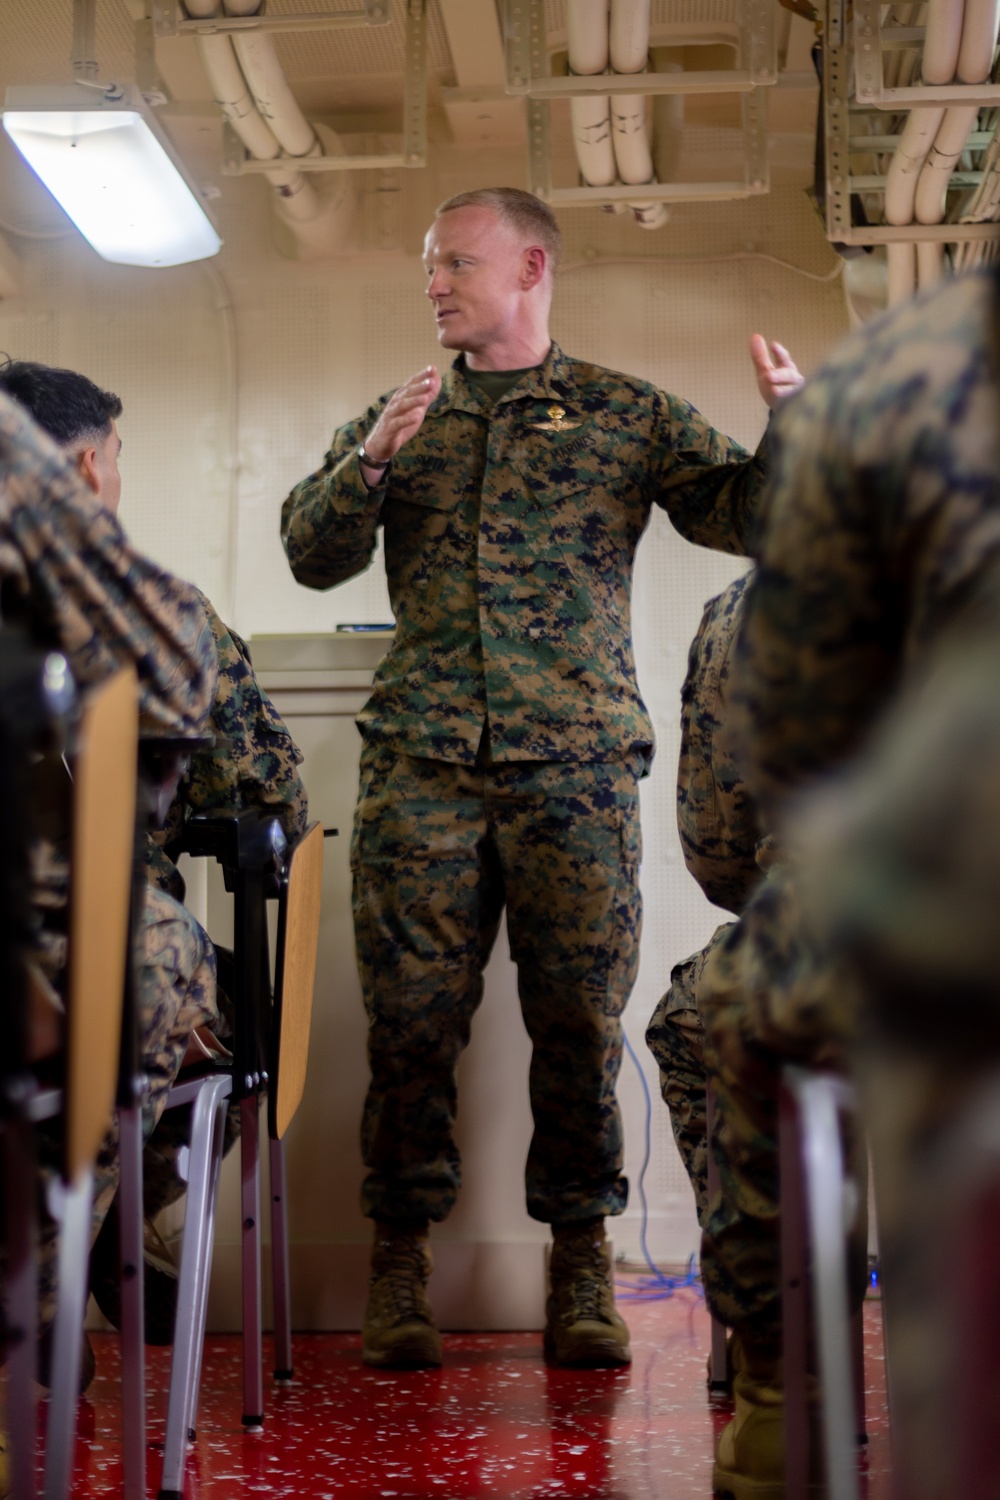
{"x": 551, "y": 381}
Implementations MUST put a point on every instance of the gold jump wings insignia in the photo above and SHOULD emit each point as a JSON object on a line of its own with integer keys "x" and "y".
{"x": 556, "y": 423}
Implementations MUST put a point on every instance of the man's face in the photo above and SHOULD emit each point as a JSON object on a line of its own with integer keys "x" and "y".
{"x": 474, "y": 266}
{"x": 98, "y": 463}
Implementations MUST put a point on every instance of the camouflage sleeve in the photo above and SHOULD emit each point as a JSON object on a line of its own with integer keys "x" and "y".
{"x": 814, "y": 655}
{"x": 708, "y": 485}
{"x": 881, "y": 515}
{"x": 329, "y": 521}
{"x": 68, "y": 568}
{"x": 715, "y": 815}
{"x": 258, "y": 766}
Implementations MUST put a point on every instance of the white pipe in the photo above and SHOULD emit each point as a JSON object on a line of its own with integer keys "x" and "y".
{"x": 904, "y": 169}
{"x": 901, "y": 259}
{"x": 979, "y": 39}
{"x": 630, "y": 134}
{"x": 630, "y": 124}
{"x": 587, "y": 22}
{"x": 269, "y": 86}
{"x": 629, "y": 35}
{"x": 930, "y": 262}
{"x": 949, "y": 143}
{"x": 298, "y": 200}
{"x": 942, "y": 40}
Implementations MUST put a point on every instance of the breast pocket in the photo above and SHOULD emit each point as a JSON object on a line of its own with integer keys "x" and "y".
{"x": 564, "y": 467}
{"x": 432, "y": 470}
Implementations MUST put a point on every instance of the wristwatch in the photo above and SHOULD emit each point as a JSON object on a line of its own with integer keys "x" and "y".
{"x": 372, "y": 463}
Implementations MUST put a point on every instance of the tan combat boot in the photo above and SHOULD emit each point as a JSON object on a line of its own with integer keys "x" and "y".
{"x": 750, "y": 1459}
{"x": 399, "y": 1331}
{"x": 582, "y": 1327}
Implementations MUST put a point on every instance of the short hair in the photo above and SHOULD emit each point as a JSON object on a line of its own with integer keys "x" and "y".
{"x": 521, "y": 211}
{"x": 67, "y": 405}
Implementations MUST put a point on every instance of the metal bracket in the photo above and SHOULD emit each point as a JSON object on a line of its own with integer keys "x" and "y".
{"x": 526, "y": 58}
{"x": 171, "y": 19}
{"x": 841, "y": 142}
{"x": 869, "y": 44}
{"x": 236, "y": 162}
{"x": 527, "y": 64}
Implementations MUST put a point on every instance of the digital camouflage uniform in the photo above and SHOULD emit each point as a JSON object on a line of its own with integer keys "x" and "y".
{"x": 69, "y": 573}
{"x": 882, "y": 515}
{"x": 255, "y": 765}
{"x": 902, "y": 862}
{"x": 503, "y": 739}
{"x": 718, "y": 831}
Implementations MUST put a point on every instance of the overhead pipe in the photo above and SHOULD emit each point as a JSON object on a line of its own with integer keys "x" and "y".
{"x": 959, "y": 46}
{"x": 297, "y": 196}
{"x": 974, "y": 64}
{"x": 255, "y": 98}
{"x": 587, "y": 23}
{"x": 630, "y": 133}
{"x": 274, "y": 99}
{"x": 611, "y": 136}
{"x": 942, "y": 45}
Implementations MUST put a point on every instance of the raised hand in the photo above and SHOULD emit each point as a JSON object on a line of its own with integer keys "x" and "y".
{"x": 777, "y": 373}
{"x": 404, "y": 412}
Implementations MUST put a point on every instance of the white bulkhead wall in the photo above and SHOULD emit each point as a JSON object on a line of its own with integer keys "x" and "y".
{"x": 261, "y": 365}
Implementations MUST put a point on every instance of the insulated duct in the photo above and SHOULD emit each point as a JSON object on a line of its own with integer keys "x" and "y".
{"x": 959, "y": 45}
{"x": 611, "y": 134}
{"x": 250, "y": 88}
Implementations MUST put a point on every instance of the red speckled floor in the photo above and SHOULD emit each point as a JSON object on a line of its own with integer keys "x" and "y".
{"x": 493, "y": 1422}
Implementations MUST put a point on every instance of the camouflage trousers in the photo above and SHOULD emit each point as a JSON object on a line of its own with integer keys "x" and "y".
{"x": 676, "y": 1037}
{"x": 438, "y": 851}
{"x": 767, "y": 996}
{"x": 176, "y": 992}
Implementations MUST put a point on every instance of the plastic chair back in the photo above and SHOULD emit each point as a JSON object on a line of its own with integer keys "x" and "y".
{"x": 295, "y": 976}
{"x": 103, "y": 842}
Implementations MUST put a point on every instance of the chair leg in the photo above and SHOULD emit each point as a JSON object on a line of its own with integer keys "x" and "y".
{"x": 824, "y": 1160}
{"x": 196, "y": 1262}
{"x": 253, "y": 1379}
{"x": 133, "y": 1331}
{"x": 201, "y": 1309}
{"x": 74, "y": 1245}
{"x": 20, "y": 1197}
{"x": 858, "y": 1375}
{"x": 281, "y": 1287}
{"x": 718, "y": 1367}
{"x": 794, "y": 1303}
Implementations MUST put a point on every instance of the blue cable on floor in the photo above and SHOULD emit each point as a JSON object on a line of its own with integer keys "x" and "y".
{"x": 657, "y": 1284}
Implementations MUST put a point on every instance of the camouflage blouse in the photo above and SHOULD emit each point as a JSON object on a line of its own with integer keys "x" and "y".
{"x": 510, "y": 532}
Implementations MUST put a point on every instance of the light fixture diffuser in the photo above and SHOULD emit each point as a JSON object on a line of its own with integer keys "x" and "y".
{"x": 112, "y": 170}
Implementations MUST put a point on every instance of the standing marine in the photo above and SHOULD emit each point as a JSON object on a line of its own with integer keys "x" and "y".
{"x": 504, "y": 739}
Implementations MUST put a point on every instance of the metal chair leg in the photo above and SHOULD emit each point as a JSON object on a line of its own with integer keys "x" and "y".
{"x": 209, "y": 1097}
{"x": 858, "y": 1375}
{"x": 819, "y": 1100}
{"x": 279, "y": 1266}
{"x": 133, "y": 1330}
{"x": 21, "y": 1243}
{"x": 74, "y": 1244}
{"x": 794, "y": 1299}
{"x": 253, "y": 1379}
{"x": 718, "y": 1365}
{"x": 201, "y": 1310}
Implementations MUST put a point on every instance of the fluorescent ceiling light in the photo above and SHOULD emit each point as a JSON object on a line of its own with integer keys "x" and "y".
{"x": 113, "y": 171}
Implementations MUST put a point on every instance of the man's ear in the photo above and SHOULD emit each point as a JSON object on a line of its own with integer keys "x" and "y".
{"x": 86, "y": 464}
{"x": 533, "y": 267}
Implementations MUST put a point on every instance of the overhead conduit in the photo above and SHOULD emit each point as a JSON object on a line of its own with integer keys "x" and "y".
{"x": 611, "y": 133}
{"x": 959, "y": 46}
{"x": 250, "y": 87}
